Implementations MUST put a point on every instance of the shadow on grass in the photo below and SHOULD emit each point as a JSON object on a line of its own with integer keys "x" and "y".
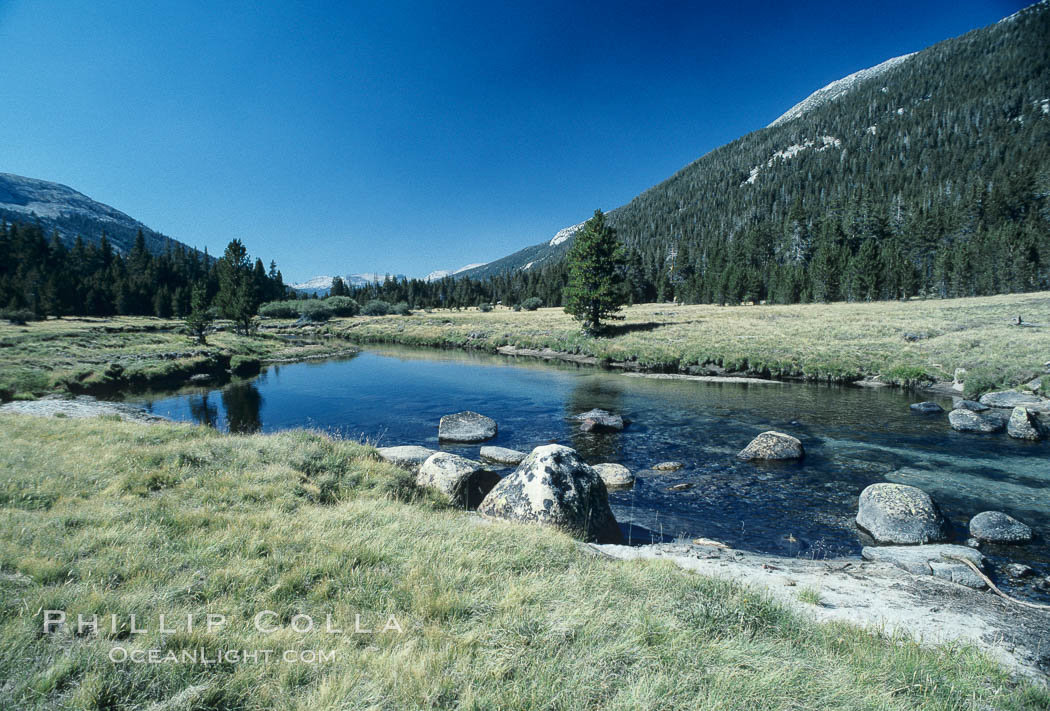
{"x": 625, "y": 328}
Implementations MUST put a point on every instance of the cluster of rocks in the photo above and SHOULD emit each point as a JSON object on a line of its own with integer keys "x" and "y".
{"x": 1016, "y": 412}
{"x": 910, "y": 532}
{"x": 551, "y": 486}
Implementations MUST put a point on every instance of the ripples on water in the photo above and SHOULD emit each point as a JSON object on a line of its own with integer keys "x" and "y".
{"x": 853, "y": 437}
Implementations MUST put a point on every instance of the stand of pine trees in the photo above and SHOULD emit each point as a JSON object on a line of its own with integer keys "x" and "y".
{"x": 40, "y": 275}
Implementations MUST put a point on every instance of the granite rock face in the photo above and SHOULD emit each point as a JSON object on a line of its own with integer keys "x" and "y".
{"x": 936, "y": 560}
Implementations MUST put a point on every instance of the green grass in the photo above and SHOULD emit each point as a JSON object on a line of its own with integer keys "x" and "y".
{"x": 96, "y": 355}
{"x": 820, "y": 342}
{"x": 103, "y": 517}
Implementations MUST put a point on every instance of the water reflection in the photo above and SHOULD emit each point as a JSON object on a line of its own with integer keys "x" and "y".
{"x": 243, "y": 405}
{"x": 202, "y": 411}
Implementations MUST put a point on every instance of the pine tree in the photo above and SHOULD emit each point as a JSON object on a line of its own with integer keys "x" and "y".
{"x": 199, "y": 320}
{"x": 238, "y": 297}
{"x": 595, "y": 261}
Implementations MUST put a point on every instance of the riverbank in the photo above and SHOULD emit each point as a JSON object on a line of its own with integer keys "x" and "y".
{"x": 916, "y": 343}
{"x": 102, "y": 356}
{"x": 105, "y": 517}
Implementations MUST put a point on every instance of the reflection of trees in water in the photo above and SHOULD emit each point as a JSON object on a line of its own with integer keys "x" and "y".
{"x": 203, "y": 411}
{"x": 242, "y": 402}
{"x": 590, "y": 392}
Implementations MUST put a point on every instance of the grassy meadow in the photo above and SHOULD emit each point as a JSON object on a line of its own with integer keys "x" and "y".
{"x": 87, "y": 354}
{"x": 836, "y": 342}
{"x": 111, "y": 518}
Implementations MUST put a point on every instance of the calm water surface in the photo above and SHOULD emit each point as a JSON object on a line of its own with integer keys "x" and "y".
{"x": 853, "y": 437}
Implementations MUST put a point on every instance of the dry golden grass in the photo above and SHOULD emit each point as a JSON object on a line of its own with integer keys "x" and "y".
{"x": 816, "y": 341}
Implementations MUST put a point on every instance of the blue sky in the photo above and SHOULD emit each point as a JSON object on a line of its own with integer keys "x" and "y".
{"x": 404, "y": 137}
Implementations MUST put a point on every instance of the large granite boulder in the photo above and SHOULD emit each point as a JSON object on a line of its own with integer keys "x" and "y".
{"x": 466, "y": 427}
{"x": 554, "y": 487}
{"x": 963, "y": 420}
{"x": 1022, "y": 425}
{"x": 615, "y": 476}
{"x": 502, "y": 455}
{"x": 936, "y": 560}
{"x": 772, "y": 445}
{"x": 997, "y": 527}
{"x": 600, "y": 421}
{"x": 1009, "y": 399}
{"x": 464, "y": 481}
{"x": 926, "y": 408}
{"x": 407, "y": 456}
{"x": 900, "y": 514}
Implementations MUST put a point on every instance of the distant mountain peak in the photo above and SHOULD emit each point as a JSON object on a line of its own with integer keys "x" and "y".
{"x": 59, "y": 208}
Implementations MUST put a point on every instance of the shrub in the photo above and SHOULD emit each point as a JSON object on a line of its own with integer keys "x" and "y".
{"x": 342, "y": 305}
{"x": 18, "y": 317}
{"x": 532, "y": 303}
{"x": 485, "y": 308}
{"x": 375, "y": 307}
{"x": 280, "y": 309}
{"x": 315, "y": 310}
{"x": 401, "y": 309}
{"x": 245, "y": 366}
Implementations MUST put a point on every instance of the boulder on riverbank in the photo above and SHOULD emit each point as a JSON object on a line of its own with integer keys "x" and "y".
{"x": 407, "y": 456}
{"x": 900, "y": 514}
{"x": 1009, "y": 399}
{"x": 936, "y": 560}
{"x": 554, "y": 487}
{"x": 1023, "y": 426}
{"x": 926, "y": 408}
{"x": 601, "y": 421}
{"x": 998, "y": 527}
{"x": 772, "y": 446}
{"x": 615, "y": 476}
{"x": 502, "y": 455}
{"x": 466, "y": 427}
{"x": 465, "y": 482}
{"x": 963, "y": 420}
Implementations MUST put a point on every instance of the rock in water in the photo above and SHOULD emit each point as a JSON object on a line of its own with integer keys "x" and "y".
{"x": 935, "y": 560}
{"x": 901, "y": 514}
{"x": 600, "y": 421}
{"x": 961, "y": 403}
{"x": 997, "y": 527}
{"x": 465, "y": 482}
{"x": 926, "y": 408}
{"x": 615, "y": 476}
{"x": 772, "y": 445}
{"x": 970, "y": 421}
{"x": 1022, "y": 426}
{"x": 407, "y": 456}
{"x": 554, "y": 487}
{"x": 466, "y": 427}
{"x": 667, "y": 467}
{"x": 1009, "y": 398}
{"x": 502, "y": 455}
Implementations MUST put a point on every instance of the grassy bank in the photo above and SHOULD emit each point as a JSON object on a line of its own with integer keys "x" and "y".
{"x": 907, "y": 343}
{"x": 98, "y": 355}
{"x": 103, "y": 517}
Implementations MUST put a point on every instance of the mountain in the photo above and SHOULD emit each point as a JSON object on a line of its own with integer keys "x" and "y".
{"x": 936, "y": 160}
{"x": 321, "y": 284}
{"x": 61, "y": 209}
{"x": 442, "y": 273}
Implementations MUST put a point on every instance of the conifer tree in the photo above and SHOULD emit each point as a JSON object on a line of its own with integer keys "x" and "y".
{"x": 595, "y": 289}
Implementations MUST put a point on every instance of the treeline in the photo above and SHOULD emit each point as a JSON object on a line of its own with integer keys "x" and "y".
{"x": 40, "y": 276}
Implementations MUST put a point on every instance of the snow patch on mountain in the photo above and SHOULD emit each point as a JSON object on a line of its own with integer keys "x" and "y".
{"x": 825, "y": 142}
{"x": 837, "y": 88}
{"x": 321, "y": 283}
{"x": 565, "y": 234}
{"x": 442, "y": 273}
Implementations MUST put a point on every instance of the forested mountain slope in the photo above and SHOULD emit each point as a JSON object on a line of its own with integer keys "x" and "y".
{"x": 931, "y": 176}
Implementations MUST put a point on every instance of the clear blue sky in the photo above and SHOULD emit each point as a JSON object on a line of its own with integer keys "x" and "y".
{"x": 405, "y": 137}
